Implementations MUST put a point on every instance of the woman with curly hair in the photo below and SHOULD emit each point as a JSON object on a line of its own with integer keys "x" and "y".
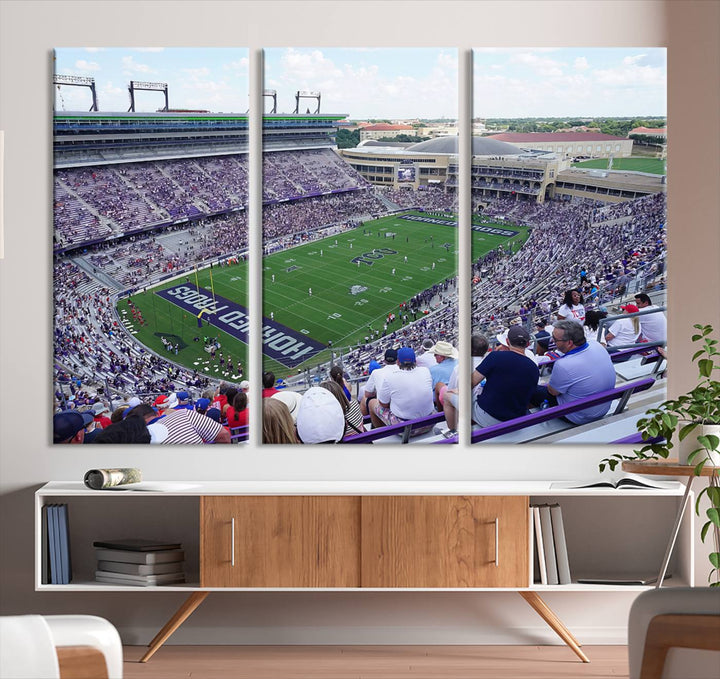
{"x": 573, "y": 308}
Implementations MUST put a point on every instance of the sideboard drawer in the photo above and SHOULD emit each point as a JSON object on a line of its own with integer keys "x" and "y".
{"x": 295, "y": 541}
{"x": 445, "y": 541}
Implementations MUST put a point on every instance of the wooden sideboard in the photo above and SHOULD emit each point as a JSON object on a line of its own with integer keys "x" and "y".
{"x": 355, "y": 536}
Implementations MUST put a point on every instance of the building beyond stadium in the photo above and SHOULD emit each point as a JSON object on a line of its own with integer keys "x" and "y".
{"x": 500, "y": 169}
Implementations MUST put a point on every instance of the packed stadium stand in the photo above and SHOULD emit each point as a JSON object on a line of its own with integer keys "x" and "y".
{"x": 139, "y": 199}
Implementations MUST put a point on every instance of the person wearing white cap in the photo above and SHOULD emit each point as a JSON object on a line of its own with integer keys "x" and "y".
{"x": 101, "y": 411}
{"x": 291, "y": 399}
{"x": 320, "y": 417}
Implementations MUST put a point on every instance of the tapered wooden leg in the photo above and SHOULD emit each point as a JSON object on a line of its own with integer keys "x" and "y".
{"x": 181, "y": 615}
{"x": 546, "y": 613}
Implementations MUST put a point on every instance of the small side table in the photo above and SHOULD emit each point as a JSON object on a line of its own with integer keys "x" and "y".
{"x": 671, "y": 468}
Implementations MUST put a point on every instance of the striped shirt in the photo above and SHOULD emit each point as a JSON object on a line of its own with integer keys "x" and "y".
{"x": 189, "y": 426}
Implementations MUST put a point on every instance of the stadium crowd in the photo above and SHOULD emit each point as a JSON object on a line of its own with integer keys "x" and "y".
{"x": 594, "y": 249}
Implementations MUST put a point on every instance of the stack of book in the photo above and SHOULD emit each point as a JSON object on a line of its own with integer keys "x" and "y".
{"x": 143, "y": 563}
{"x": 552, "y": 565}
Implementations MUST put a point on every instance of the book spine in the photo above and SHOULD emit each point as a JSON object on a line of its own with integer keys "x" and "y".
{"x": 45, "y": 559}
{"x": 140, "y": 569}
{"x": 563, "y": 562}
{"x": 54, "y": 545}
{"x": 64, "y": 545}
{"x": 540, "y": 546}
{"x": 148, "y": 558}
{"x": 549, "y": 546}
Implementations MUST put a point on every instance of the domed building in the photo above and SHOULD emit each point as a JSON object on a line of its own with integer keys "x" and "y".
{"x": 499, "y": 170}
{"x": 434, "y": 164}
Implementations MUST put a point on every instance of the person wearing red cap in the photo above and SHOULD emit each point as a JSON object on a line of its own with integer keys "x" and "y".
{"x": 623, "y": 331}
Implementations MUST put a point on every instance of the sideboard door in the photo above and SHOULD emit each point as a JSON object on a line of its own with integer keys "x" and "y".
{"x": 445, "y": 541}
{"x": 268, "y": 541}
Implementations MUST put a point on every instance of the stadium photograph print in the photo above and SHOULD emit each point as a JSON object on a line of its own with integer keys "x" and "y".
{"x": 359, "y": 244}
{"x": 150, "y": 242}
{"x": 569, "y": 243}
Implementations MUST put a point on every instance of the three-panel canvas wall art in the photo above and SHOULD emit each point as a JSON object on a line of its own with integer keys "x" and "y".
{"x": 359, "y": 246}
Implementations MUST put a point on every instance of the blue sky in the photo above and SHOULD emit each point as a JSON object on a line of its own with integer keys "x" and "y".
{"x": 378, "y": 82}
{"x": 214, "y": 79}
{"x": 367, "y": 83}
{"x": 576, "y": 82}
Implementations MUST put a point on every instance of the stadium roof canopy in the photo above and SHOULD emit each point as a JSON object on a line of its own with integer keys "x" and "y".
{"x": 481, "y": 146}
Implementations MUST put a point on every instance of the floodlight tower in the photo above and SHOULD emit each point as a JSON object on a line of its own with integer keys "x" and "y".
{"x": 78, "y": 81}
{"x": 306, "y": 95}
{"x": 273, "y": 95}
{"x": 139, "y": 85}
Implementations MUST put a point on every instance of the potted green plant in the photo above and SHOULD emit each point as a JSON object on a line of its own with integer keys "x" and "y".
{"x": 696, "y": 412}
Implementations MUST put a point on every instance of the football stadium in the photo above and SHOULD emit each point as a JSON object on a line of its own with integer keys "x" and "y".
{"x": 359, "y": 273}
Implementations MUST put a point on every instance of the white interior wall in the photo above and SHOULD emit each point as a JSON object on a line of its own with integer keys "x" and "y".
{"x": 28, "y": 32}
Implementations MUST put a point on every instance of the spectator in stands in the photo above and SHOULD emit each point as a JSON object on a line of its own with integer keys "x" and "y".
{"x": 479, "y": 346}
{"x": 190, "y": 427}
{"x": 149, "y": 415}
{"x": 377, "y": 377}
{"x": 653, "y": 327}
{"x": 183, "y": 401}
{"x": 623, "y": 331}
{"x": 446, "y": 359}
{"x": 291, "y": 399}
{"x": 510, "y": 377}
{"x": 351, "y": 408}
{"x": 337, "y": 375}
{"x": 278, "y": 425}
{"x": 592, "y": 323}
{"x": 584, "y": 370}
{"x": 69, "y": 426}
{"x": 405, "y": 394}
{"x": 130, "y": 430}
{"x": 237, "y": 413}
{"x": 542, "y": 338}
{"x": 101, "y": 411}
{"x": 268, "y": 382}
{"x": 320, "y": 417}
{"x": 426, "y": 358}
{"x": 202, "y": 405}
{"x": 572, "y": 307}
{"x": 117, "y": 414}
{"x": 219, "y": 399}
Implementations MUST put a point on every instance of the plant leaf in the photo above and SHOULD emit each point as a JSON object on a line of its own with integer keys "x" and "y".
{"x": 687, "y": 429}
{"x": 714, "y": 516}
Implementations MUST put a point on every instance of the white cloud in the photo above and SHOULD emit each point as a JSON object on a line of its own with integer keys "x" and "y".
{"x": 149, "y": 49}
{"x": 634, "y": 59}
{"x": 241, "y": 66}
{"x": 131, "y": 67}
{"x": 196, "y": 73}
{"x": 581, "y": 64}
{"x": 83, "y": 65}
{"x": 543, "y": 66}
{"x": 630, "y": 75}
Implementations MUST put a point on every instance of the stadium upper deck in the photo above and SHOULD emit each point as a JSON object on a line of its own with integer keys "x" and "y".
{"x": 96, "y": 138}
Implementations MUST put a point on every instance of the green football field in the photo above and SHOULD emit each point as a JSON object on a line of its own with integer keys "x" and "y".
{"x": 651, "y": 165}
{"x": 356, "y": 278}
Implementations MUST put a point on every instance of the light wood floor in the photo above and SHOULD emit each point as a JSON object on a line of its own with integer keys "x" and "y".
{"x": 375, "y": 662}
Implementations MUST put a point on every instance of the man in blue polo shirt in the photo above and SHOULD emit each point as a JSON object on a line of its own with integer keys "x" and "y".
{"x": 584, "y": 369}
{"x": 511, "y": 380}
